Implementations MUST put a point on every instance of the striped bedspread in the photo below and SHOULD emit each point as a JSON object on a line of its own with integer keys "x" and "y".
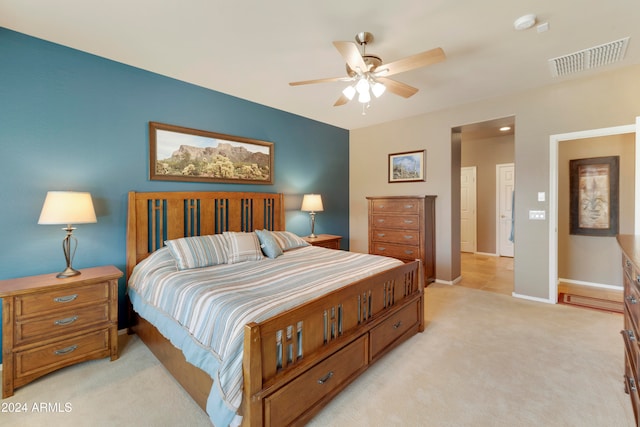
{"x": 203, "y": 311}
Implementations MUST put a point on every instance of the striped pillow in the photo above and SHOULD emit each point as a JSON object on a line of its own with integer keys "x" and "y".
{"x": 242, "y": 247}
{"x": 287, "y": 240}
{"x": 198, "y": 251}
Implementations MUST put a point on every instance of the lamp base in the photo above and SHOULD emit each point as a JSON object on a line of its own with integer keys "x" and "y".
{"x": 312, "y": 236}
{"x": 68, "y": 272}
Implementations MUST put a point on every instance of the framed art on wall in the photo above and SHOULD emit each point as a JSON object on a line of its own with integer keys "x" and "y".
{"x": 594, "y": 193}
{"x": 183, "y": 154}
{"x": 408, "y": 166}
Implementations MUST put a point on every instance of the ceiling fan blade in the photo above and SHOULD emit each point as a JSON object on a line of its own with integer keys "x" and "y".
{"x": 409, "y": 63}
{"x": 341, "y": 101}
{"x": 401, "y": 89}
{"x": 327, "y": 80}
{"x": 352, "y": 56}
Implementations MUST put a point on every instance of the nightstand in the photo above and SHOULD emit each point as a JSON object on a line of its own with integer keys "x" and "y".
{"x": 50, "y": 323}
{"x": 325, "y": 240}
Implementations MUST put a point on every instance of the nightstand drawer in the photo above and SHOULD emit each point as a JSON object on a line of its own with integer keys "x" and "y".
{"x": 62, "y": 353}
{"x": 61, "y": 323}
{"x": 61, "y": 299}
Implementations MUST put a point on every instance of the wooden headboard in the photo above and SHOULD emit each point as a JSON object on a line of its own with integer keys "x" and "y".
{"x": 155, "y": 217}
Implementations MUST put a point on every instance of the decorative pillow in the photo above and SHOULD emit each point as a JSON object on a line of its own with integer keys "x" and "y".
{"x": 198, "y": 251}
{"x": 268, "y": 243}
{"x": 242, "y": 247}
{"x": 287, "y": 240}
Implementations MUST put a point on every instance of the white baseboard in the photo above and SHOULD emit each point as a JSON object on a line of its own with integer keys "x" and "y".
{"x": 486, "y": 254}
{"x": 449, "y": 282}
{"x": 593, "y": 285}
{"x": 530, "y": 298}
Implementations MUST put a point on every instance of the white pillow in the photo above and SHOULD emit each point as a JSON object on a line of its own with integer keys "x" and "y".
{"x": 198, "y": 251}
{"x": 287, "y": 240}
{"x": 242, "y": 247}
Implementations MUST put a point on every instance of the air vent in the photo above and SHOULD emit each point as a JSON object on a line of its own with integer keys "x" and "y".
{"x": 593, "y": 57}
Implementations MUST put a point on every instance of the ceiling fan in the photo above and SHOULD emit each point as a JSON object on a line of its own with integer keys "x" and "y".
{"x": 368, "y": 74}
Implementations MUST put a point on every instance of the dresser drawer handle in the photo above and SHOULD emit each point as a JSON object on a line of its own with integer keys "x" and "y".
{"x": 630, "y": 334}
{"x": 382, "y": 248}
{"x": 408, "y": 221}
{"x": 380, "y": 221}
{"x": 397, "y": 325}
{"x": 408, "y": 237}
{"x": 638, "y": 279}
{"x": 628, "y": 263}
{"x": 408, "y": 206}
{"x": 408, "y": 252}
{"x": 325, "y": 378}
{"x": 632, "y": 384}
{"x": 66, "y": 321}
{"x": 67, "y": 298}
{"x": 381, "y": 234}
{"x": 632, "y": 299}
{"x": 66, "y": 350}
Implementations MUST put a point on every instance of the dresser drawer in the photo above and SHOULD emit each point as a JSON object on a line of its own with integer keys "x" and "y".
{"x": 284, "y": 406}
{"x": 410, "y": 237}
{"x": 407, "y": 252}
{"x": 392, "y": 205}
{"x": 393, "y": 328}
{"x": 405, "y": 222}
{"x": 62, "y": 353}
{"x": 61, "y": 299}
{"x": 60, "y": 323}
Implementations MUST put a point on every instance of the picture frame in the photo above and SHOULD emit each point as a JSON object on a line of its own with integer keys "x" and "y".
{"x": 594, "y": 196}
{"x": 408, "y": 166}
{"x": 183, "y": 154}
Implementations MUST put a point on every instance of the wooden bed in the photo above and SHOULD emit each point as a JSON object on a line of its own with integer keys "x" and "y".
{"x": 345, "y": 331}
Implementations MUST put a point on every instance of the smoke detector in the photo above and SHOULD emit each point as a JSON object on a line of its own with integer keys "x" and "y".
{"x": 524, "y": 22}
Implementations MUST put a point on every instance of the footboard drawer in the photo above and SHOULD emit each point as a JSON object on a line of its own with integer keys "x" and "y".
{"x": 289, "y": 404}
{"x": 393, "y": 328}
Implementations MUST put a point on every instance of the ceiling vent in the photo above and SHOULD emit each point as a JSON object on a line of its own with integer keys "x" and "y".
{"x": 593, "y": 57}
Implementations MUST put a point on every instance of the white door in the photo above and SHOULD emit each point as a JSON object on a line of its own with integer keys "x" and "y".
{"x": 505, "y": 177}
{"x": 468, "y": 209}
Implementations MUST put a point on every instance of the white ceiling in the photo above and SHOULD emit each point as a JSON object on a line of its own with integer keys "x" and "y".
{"x": 253, "y": 49}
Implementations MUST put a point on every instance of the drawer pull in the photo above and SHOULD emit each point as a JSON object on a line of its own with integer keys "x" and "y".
{"x": 630, "y": 334}
{"x": 381, "y": 234}
{"x": 632, "y": 384}
{"x": 638, "y": 279}
{"x": 66, "y": 321}
{"x": 408, "y": 237}
{"x": 408, "y": 251}
{"x": 397, "y": 325}
{"x": 65, "y": 350}
{"x": 381, "y": 221}
{"x": 325, "y": 378}
{"x": 408, "y": 206}
{"x": 408, "y": 221}
{"x": 382, "y": 248}
{"x": 67, "y": 298}
{"x": 632, "y": 299}
{"x": 628, "y": 263}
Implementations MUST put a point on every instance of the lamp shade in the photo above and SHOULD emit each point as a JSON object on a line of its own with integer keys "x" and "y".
{"x": 67, "y": 207}
{"x": 312, "y": 203}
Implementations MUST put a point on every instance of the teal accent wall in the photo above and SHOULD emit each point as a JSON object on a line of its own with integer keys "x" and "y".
{"x": 74, "y": 121}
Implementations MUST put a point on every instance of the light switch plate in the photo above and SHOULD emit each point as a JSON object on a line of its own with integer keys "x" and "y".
{"x": 541, "y": 196}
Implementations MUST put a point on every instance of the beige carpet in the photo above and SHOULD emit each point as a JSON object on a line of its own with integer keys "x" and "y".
{"x": 484, "y": 360}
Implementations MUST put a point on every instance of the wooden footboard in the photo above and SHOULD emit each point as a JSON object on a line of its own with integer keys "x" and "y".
{"x": 296, "y": 362}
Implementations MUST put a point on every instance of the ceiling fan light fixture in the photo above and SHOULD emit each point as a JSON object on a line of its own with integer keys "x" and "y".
{"x": 349, "y": 92}
{"x": 364, "y": 97}
{"x": 362, "y": 86}
{"x": 378, "y": 89}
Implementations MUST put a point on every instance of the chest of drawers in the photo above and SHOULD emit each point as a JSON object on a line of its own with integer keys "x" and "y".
{"x": 50, "y": 323}
{"x": 631, "y": 280}
{"x": 403, "y": 227}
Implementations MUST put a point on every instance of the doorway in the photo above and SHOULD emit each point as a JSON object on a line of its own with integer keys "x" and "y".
{"x": 555, "y": 141}
{"x": 486, "y": 151}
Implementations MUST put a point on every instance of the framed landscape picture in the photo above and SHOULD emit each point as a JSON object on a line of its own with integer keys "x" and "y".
{"x": 408, "y": 166}
{"x": 594, "y": 193}
{"x": 183, "y": 154}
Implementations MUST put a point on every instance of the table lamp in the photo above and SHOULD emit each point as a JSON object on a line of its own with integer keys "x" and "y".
{"x": 312, "y": 203}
